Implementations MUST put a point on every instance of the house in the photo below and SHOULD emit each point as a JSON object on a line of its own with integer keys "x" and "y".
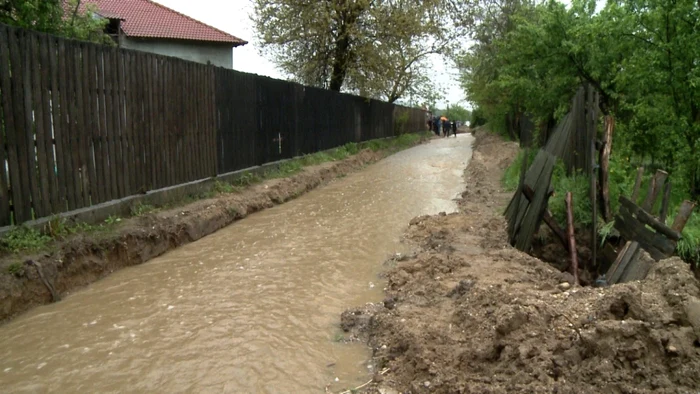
{"x": 147, "y": 26}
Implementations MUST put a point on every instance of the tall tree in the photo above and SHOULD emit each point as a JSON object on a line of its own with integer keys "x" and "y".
{"x": 376, "y": 48}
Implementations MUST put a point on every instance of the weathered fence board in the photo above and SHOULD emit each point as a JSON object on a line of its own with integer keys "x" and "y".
{"x": 8, "y": 124}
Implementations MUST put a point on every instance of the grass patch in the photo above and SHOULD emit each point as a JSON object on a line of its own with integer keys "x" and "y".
{"x": 23, "y": 239}
{"x": 315, "y": 159}
{"x": 222, "y": 187}
{"x": 688, "y": 247}
{"x": 112, "y": 220}
{"x": 16, "y": 269}
{"x": 511, "y": 176}
{"x": 141, "y": 209}
{"x": 56, "y": 227}
{"x": 247, "y": 179}
{"x": 288, "y": 168}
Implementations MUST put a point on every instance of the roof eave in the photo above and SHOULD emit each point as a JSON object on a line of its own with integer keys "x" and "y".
{"x": 232, "y": 43}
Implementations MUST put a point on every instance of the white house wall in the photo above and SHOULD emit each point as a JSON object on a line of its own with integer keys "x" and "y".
{"x": 219, "y": 54}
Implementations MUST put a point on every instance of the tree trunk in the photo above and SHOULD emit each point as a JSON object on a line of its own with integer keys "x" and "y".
{"x": 340, "y": 61}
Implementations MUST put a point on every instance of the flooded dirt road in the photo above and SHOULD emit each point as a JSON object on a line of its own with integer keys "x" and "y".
{"x": 251, "y": 308}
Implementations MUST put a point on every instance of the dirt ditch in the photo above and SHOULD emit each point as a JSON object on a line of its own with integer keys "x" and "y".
{"x": 468, "y": 313}
{"x": 83, "y": 259}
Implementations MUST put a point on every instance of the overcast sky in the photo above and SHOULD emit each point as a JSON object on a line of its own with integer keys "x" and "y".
{"x": 232, "y": 16}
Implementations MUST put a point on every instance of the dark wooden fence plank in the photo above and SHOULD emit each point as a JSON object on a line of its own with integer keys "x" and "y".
{"x": 53, "y": 197}
{"x": 187, "y": 124}
{"x": 77, "y": 131}
{"x": 210, "y": 127}
{"x": 198, "y": 163}
{"x": 129, "y": 106}
{"x": 9, "y": 126}
{"x": 42, "y": 205}
{"x": 90, "y": 108}
{"x": 105, "y": 184}
{"x": 146, "y": 75}
{"x": 152, "y": 75}
{"x": 25, "y": 139}
{"x": 167, "y": 104}
{"x": 57, "y": 123}
{"x": 97, "y": 191}
{"x": 122, "y": 175}
{"x": 67, "y": 173}
{"x": 111, "y": 122}
{"x": 140, "y": 126}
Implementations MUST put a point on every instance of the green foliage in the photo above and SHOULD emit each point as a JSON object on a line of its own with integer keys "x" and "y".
{"x": 141, "y": 209}
{"x": 112, "y": 220}
{"x": 16, "y": 269}
{"x": 578, "y": 185}
{"x": 285, "y": 169}
{"x": 640, "y": 55}
{"x": 247, "y": 179}
{"x": 477, "y": 118}
{"x": 48, "y": 16}
{"x": 56, "y": 227}
{"x": 23, "y": 238}
{"x": 511, "y": 176}
{"x": 605, "y": 231}
{"x": 222, "y": 187}
{"x": 456, "y": 112}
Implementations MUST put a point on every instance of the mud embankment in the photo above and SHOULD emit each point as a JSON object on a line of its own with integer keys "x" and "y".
{"x": 469, "y": 313}
{"x": 85, "y": 258}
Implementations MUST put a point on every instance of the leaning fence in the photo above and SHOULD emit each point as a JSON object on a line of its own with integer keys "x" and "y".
{"x": 82, "y": 124}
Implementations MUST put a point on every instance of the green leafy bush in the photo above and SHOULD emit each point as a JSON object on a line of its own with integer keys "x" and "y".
{"x": 24, "y": 239}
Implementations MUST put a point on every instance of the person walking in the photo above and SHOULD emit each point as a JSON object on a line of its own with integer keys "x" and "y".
{"x": 454, "y": 128}
{"x": 436, "y": 125}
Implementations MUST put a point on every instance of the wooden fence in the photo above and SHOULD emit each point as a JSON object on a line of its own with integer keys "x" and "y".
{"x": 82, "y": 124}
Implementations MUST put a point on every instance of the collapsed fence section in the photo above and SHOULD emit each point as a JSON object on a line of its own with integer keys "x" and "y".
{"x": 82, "y": 124}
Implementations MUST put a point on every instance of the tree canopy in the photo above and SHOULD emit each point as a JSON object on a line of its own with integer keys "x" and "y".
{"x": 457, "y": 112}
{"x": 376, "y": 48}
{"x": 50, "y": 16}
{"x": 642, "y": 56}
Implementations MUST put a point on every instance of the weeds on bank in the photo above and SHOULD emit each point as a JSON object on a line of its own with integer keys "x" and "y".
{"x": 285, "y": 169}
{"x": 23, "y": 238}
{"x": 247, "y": 179}
{"x": 16, "y": 269}
{"x": 222, "y": 187}
{"x": 141, "y": 209}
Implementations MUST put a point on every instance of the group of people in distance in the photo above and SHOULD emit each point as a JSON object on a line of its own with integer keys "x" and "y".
{"x": 442, "y": 126}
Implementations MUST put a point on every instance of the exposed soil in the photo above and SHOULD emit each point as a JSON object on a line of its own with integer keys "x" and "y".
{"x": 85, "y": 258}
{"x": 469, "y": 313}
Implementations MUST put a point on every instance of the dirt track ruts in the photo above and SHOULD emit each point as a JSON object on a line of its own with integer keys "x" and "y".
{"x": 467, "y": 313}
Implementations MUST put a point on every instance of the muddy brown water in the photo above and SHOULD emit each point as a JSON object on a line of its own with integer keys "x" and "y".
{"x": 253, "y": 308}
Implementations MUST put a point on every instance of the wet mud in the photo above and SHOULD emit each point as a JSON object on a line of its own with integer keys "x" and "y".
{"x": 467, "y": 313}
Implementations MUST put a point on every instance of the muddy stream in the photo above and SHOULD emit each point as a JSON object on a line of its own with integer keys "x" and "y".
{"x": 253, "y": 308}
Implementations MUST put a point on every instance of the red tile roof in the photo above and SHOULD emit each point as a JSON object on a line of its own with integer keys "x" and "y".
{"x": 148, "y": 19}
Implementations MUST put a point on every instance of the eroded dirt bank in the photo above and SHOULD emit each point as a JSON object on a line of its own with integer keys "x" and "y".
{"x": 84, "y": 259}
{"x": 469, "y": 314}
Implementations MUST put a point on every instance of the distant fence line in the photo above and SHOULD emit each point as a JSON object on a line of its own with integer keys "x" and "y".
{"x": 82, "y": 124}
